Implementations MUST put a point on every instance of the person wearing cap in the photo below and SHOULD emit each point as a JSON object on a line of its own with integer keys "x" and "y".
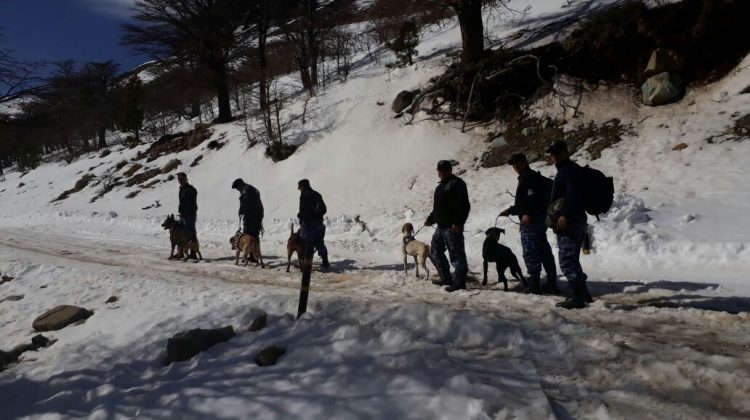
{"x": 312, "y": 231}
{"x": 251, "y": 208}
{"x": 188, "y": 204}
{"x": 569, "y": 222}
{"x": 532, "y": 197}
{"x": 450, "y": 209}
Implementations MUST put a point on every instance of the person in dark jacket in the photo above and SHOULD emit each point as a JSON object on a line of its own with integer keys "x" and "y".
{"x": 312, "y": 231}
{"x": 450, "y": 209}
{"x": 531, "y": 200}
{"x": 251, "y": 208}
{"x": 188, "y": 207}
{"x": 569, "y": 222}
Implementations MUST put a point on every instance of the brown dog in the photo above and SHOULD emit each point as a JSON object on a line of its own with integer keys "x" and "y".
{"x": 419, "y": 250}
{"x": 246, "y": 244}
{"x": 179, "y": 236}
{"x": 294, "y": 244}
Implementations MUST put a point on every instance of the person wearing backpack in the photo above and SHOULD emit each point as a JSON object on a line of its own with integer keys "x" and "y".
{"x": 531, "y": 201}
{"x": 312, "y": 231}
{"x": 568, "y": 220}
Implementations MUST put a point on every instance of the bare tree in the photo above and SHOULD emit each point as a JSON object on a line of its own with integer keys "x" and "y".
{"x": 18, "y": 78}
{"x": 208, "y": 32}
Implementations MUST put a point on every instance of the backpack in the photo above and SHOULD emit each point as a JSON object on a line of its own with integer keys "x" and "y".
{"x": 599, "y": 191}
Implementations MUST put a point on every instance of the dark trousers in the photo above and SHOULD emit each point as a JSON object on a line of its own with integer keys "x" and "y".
{"x": 188, "y": 220}
{"x": 537, "y": 252}
{"x": 443, "y": 240}
{"x": 251, "y": 227}
{"x": 313, "y": 235}
{"x": 569, "y": 251}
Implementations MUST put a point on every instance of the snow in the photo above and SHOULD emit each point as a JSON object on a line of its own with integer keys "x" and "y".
{"x": 666, "y": 337}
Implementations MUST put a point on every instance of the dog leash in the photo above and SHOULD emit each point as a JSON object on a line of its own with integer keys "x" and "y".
{"x": 420, "y": 229}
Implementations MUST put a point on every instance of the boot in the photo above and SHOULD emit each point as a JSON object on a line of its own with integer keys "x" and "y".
{"x": 586, "y": 295}
{"x": 572, "y": 303}
{"x": 533, "y": 288}
{"x": 552, "y": 285}
{"x": 441, "y": 281}
{"x": 578, "y": 301}
{"x": 454, "y": 287}
{"x": 324, "y": 263}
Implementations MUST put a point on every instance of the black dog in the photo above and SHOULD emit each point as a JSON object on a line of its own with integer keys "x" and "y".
{"x": 502, "y": 256}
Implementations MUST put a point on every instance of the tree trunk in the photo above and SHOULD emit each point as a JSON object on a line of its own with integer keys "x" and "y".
{"x": 101, "y": 133}
{"x": 263, "y": 64}
{"x": 222, "y": 94}
{"x": 195, "y": 109}
{"x": 472, "y": 31}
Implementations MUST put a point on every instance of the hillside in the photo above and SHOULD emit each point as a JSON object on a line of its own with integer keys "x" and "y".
{"x": 667, "y": 333}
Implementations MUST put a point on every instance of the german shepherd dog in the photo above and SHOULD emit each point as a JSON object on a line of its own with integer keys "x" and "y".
{"x": 179, "y": 236}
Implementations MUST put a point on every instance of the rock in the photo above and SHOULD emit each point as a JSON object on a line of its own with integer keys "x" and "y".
{"x": 12, "y": 298}
{"x": 60, "y": 317}
{"x": 112, "y": 299}
{"x": 40, "y": 341}
{"x": 269, "y": 356}
{"x": 5, "y": 279}
{"x": 662, "y": 89}
{"x": 258, "y": 323}
{"x": 527, "y": 131}
{"x": 185, "y": 345}
{"x": 681, "y": 146}
{"x": 403, "y": 100}
{"x": 7, "y": 358}
{"x": 664, "y": 60}
{"x": 453, "y": 162}
{"x": 113, "y": 214}
{"x": 380, "y": 103}
{"x": 498, "y": 142}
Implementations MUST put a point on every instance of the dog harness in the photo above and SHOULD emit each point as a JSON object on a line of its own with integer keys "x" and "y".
{"x": 408, "y": 239}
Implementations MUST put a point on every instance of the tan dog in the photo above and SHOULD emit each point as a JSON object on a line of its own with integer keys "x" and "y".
{"x": 419, "y": 250}
{"x": 294, "y": 244}
{"x": 246, "y": 244}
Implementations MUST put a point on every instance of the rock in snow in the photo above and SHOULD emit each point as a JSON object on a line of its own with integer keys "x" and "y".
{"x": 60, "y": 317}
{"x": 185, "y": 345}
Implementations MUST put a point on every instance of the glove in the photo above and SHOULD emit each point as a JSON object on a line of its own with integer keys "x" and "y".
{"x": 430, "y": 221}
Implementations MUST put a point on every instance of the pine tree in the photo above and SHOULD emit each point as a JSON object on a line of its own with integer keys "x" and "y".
{"x": 131, "y": 113}
{"x": 405, "y": 44}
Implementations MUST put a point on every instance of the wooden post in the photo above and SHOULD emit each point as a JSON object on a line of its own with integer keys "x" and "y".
{"x": 304, "y": 289}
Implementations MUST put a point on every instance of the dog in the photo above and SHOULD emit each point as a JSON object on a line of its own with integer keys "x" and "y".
{"x": 246, "y": 245}
{"x": 419, "y": 250}
{"x": 502, "y": 256}
{"x": 294, "y": 244}
{"x": 179, "y": 236}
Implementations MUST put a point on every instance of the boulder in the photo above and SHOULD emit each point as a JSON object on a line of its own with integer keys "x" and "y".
{"x": 269, "y": 356}
{"x": 60, "y": 317}
{"x": 681, "y": 146}
{"x": 664, "y": 60}
{"x": 403, "y": 100}
{"x": 258, "y": 323}
{"x": 187, "y": 344}
{"x": 662, "y": 89}
{"x": 498, "y": 142}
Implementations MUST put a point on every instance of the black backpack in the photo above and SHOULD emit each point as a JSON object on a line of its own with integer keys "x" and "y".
{"x": 599, "y": 191}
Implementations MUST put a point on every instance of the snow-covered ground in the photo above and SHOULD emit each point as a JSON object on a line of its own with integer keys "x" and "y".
{"x": 666, "y": 337}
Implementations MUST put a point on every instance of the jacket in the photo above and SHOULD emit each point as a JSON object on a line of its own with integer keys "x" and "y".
{"x": 450, "y": 204}
{"x": 251, "y": 207}
{"x": 532, "y": 196}
{"x": 312, "y": 208}
{"x": 188, "y": 197}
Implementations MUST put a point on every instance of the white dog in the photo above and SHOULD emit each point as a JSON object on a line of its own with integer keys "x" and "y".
{"x": 419, "y": 250}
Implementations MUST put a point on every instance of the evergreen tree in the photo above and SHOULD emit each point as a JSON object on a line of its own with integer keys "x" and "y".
{"x": 405, "y": 44}
{"x": 131, "y": 113}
